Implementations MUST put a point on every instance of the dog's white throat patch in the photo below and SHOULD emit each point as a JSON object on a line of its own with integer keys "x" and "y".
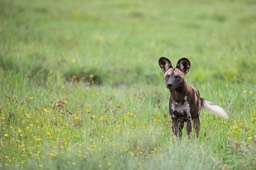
{"x": 181, "y": 107}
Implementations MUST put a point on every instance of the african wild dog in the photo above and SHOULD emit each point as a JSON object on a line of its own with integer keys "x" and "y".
{"x": 185, "y": 102}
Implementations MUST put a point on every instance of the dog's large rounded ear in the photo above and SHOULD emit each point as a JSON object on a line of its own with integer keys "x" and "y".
{"x": 184, "y": 65}
{"x": 164, "y": 64}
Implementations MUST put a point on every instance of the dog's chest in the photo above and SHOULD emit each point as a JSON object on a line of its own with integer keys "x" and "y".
{"x": 181, "y": 108}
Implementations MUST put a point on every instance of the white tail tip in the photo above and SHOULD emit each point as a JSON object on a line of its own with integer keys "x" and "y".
{"x": 214, "y": 109}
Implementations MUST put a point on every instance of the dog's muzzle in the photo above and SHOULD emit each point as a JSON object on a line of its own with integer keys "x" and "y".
{"x": 169, "y": 86}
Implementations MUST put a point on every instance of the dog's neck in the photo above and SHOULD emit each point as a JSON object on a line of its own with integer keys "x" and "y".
{"x": 179, "y": 93}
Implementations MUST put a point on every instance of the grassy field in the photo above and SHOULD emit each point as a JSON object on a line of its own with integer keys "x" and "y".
{"x": 81, "y": 87}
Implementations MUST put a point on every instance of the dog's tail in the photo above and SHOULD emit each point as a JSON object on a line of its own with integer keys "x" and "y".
{"x": 214, "y": 109}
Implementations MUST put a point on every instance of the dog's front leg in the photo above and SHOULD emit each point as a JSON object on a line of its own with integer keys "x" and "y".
{"x": 180, "y": 125}
{"x": 189, "y": 127}
{"x": 175, "y": 126}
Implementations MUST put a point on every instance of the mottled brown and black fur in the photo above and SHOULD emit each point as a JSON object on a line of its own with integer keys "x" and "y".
{"x": 185, "y": 102}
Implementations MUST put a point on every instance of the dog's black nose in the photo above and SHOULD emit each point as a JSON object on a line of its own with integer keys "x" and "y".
{"x": 169, "y": 86}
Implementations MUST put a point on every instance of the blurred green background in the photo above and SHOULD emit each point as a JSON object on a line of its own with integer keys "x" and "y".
{"x": 120, "y": 41}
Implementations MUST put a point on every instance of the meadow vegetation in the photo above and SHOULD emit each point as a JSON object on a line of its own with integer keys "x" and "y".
{"x": 81, "y": 87}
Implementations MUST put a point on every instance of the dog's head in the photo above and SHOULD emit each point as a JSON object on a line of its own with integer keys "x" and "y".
{"x": 174, "y": 77}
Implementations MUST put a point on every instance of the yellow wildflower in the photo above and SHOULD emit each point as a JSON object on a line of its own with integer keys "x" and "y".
{"x": 76, "y": 117}
{"x": 28, "y": 116}
{"x": 37, "y": 138}
{"x": 46, "y": 110}
{"x": 51, "y": 155}
{"x": 102, "y": 118}
{"x": 159, "y": 158}
{"x": 249, "y": 138}
{"x": 131, "y": 114}
{"x": 154, "y": 150}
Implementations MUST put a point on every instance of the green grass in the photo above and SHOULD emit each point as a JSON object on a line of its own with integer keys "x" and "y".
{"x": 81, "y": 87}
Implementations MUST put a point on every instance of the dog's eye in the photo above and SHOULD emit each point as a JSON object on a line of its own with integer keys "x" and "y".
{"x": 176, "y": 77}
